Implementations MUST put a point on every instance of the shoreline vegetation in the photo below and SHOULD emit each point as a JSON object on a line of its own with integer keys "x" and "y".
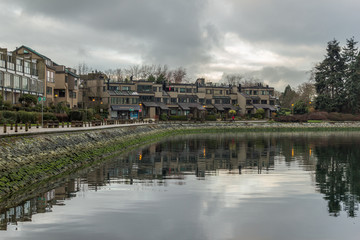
{"x": 28, "y": 162}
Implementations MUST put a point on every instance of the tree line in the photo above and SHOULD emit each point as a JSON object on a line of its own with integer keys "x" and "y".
{"x": 337, "y": 78}
{"x": 152, "y": 73}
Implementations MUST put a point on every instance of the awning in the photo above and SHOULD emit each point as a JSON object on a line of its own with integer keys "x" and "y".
{"x": 163, "y": 106}
{"x": 264, "y": 106}
{"x": 125, "y": 107}
{"x": 219, "y": 107}
{"x": 150, "y": 104}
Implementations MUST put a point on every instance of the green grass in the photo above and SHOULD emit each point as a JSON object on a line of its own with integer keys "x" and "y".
{"x": 315, "y": 121}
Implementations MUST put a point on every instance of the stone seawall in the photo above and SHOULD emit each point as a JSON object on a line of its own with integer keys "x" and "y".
{"x": 29, "y": 160}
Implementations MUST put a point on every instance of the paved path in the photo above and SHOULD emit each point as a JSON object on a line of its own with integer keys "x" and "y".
{"x": 40, "y": 130}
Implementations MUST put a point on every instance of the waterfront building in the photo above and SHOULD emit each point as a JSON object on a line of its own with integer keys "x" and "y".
{"x": 19, "y": 75}
{"x": 59, "y": 83}
{"x": 143, "y": 99}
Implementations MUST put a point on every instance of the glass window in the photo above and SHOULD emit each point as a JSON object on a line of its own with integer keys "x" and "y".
{"x": 27, "y": 67}
{"x": 208, "y": 101}
{"x": 25, "y": 84}
{"x": 165, "y": 100}
{"x": 189, "y": 90}
{"x": 217, "y": 101}
{"x": 154, "y": 89}
{"x": 182, "y": 90}
{"x": 19, "y": 65}
{"x": 1, "y": 79}
{"x": 173, "y": 100}
{"x": 8, "y": 80}
{"x": 125, "y": 88}
{"x": 49, "y": 90}
{"x": 144, "y": 88}
{"x": 263, "y": 102}
{"x": 17, "y": 83}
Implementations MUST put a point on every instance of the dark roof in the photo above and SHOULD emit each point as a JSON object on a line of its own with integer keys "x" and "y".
{"x": 163, "y": 106}
{"x": 71, "y": 73}
{"x": 245, "y": 95}
{"x": 222, "y": 97}
{"x": 265, "y": 106}
{"x": 187, "y": 106}
{"x": 35, "y": 52}
{"x": 125, "y": 107}
{"x": 150, "y": 104}
{"x": 122, "y": 93}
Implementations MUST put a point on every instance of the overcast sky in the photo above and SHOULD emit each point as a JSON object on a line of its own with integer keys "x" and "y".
{"x": 277, "y": 41}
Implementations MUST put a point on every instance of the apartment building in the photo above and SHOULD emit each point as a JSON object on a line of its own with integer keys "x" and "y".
{"x": 144, "y": 99}
{"x": 60, "y": 84}
{"x": 19, "y": 75}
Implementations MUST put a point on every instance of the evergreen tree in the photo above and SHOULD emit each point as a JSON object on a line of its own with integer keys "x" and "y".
{"x": 352, "y": 75}
{"x": 329, "y": 79}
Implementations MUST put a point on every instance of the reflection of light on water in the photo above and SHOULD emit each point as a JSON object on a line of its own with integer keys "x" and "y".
{"x": 204, "y": 152}
{"x": 310, "y": 151}
{"x": 292, "y": 152}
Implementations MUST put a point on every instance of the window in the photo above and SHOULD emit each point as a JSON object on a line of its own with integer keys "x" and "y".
{"x": 1, "y": 79}
{"x": 189, "y": 90}
{"x": 234, "y": 102}
{"x": 173, "y": 112}
{"x": 201, "y": 100}
{"x": 255, "y": 92}
{"x": 173, "y": 100}
{"x": 49, "y": 90}
{"x": 33, "y": 85}
{"x": 226, "y": 101}
{"x": 160, "y": 89}
{"x": 113, "y": 88}
{"x": 263, "y": 92}
{"x": 217, "y": 101}
{"x": 182, "y": 100}
{"x": 8, "y": 79}
{"x": 66, "y": 79}
{"x": 10, "y": 63}
{"x": 17, "y": 83}
{"x": 248, "y": 102}
{"x": 135, "y": 101}
{"x": 208, "y": 101}
{"x": 144, "y": 88}
{"x": 62, "y": 93}
{"x": 157, "y": 99}
{"x": 209, "y": 91}
{"x": 125, "y": 88}
{"x": 165, "y": 100}
{"x": 27, "y": 67}
{"x": 154, "y": 89}
{"x": 182, "y": 90}
{"x": 19, "y": 65}
{"x": 192, "y": 100}
{"x": 25, "y": 84}
{"x": 263, "y": 102}
{"x": 271, "y": 102}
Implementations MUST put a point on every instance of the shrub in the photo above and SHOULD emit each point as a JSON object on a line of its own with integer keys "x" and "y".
{"x": 178, "y": 118}
{"x": 260, "y": 113}
{"x": 300, "y": 107}
{"x": 61, "y": 117}
{"x": 9, "y": 117}
{"x": 318, "y": 116}
{"x": 163, "y": 117}
{"x": 210, "y": 118}
{"x": 47, "y": 116}
{"x": 75, "y": 115}
{"x": 27, "y": 117}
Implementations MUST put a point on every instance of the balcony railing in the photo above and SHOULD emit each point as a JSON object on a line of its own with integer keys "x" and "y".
{"x": 11, "y": 66}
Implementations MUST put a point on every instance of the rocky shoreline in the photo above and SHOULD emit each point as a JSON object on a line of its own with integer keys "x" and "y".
{"x": 26, "y": 161}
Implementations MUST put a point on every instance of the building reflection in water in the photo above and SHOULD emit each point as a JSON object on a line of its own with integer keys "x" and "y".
{"x": 335, "y": 172}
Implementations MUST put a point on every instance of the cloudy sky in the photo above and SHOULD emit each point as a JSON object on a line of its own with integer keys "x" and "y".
{"x": 277, "y": 41}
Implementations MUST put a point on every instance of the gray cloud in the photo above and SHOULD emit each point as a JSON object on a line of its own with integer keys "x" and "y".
{"x": 286, "y": 38}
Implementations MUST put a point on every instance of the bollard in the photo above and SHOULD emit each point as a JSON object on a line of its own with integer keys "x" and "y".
{"x": 26, "y": 127}
{"x": 67, "y": 123}
{"x": 16, "y": 130}
{"x": 29, "y": 124}
{"x": 20, "y": 126}
{"x": 62, "y": 124}
{"x": 4, "y": 127}
{"x": 11, "y": 126}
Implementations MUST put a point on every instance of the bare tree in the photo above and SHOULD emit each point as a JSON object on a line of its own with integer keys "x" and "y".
{"x": 83, "y": 68}
{"x": 179, "y": 74}
{"x": 306, "y": 91}
{"x": 233, "y": 79}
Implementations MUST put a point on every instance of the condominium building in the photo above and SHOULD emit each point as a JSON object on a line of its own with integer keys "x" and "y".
{"x": 144, "y": 99}
{"x": 60, "y": 84}
{"x": 19, "y": 75}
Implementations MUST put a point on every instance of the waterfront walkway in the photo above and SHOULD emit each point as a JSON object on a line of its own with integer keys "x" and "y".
{"x": 40, "y": 130}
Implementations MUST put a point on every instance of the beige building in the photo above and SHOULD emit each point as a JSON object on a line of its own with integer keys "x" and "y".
{"x": 19, "y": 75}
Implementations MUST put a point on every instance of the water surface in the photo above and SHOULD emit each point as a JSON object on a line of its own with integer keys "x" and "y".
{"x": 223, "y": 186}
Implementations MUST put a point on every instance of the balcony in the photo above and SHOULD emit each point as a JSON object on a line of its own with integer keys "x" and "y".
{"x": 11, "y": 66}
{"x": 2, "y": 64}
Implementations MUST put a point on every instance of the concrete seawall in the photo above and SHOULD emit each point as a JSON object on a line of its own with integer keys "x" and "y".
{"x": 28, "y": 160}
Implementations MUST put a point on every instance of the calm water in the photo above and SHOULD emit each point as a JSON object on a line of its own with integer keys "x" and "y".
{"x": 240, "y": 186}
